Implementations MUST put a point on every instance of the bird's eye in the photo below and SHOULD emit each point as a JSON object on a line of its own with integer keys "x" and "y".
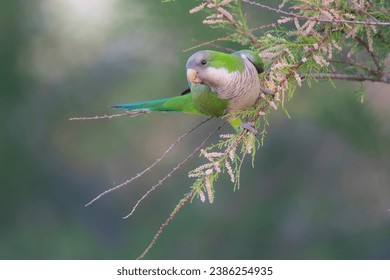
{"x": 203, "y": 62}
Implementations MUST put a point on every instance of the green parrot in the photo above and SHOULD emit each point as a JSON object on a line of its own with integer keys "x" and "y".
{"x": 219, "y": 84}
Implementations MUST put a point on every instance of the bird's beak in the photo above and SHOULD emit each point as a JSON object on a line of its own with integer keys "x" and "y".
{"x": 192, "y": 76}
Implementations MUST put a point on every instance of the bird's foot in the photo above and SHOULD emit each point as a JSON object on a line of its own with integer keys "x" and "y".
{"x": 249, "y": 126}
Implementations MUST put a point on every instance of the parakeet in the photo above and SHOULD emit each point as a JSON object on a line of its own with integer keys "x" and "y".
{"x": 219, "y": 84}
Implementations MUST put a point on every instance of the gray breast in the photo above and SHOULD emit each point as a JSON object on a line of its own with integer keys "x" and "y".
{"x": 241, "y": 89}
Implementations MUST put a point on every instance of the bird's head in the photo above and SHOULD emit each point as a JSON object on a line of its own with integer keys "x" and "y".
{"x": 211, "y": 68}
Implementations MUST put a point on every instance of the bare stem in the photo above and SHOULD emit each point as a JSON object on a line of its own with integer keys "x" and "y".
{"x": 373, "y": 56}
{"x": 379, "y": 23}
{"x": 239, "y": 171}
{"x": 177, "y": 167}
{"x": 234, "y": 23}
{"x": 151, "y": 166}
{"x": 352, "y": 77}
{"x": 165, "y": 224}
{"x": 100, "y": 117}
{"x": 355, "y": 64}
{"x": 228, "y": 37}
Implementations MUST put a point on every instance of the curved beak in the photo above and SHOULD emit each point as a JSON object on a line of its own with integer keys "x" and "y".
{"x": 192, "y": 76}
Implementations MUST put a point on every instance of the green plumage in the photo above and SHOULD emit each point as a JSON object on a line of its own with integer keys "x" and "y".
{"x": 230, "y": 62}
{"x": 201, "y": 101}
{"x": 253, "y": 57}
{"x": 175, "y": 104}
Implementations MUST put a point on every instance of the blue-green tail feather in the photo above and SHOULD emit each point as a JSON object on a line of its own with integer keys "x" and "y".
{"x": 153, "y": 105}
{"x": 174, "y": 104}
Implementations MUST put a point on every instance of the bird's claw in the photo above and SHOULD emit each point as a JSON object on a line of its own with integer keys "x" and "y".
{"x": 249, "y": 126}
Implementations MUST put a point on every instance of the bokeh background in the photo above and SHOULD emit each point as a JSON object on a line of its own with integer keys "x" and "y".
{"x": 320, "y": 188}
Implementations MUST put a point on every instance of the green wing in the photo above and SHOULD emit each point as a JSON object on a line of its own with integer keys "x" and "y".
{"x": 208, "y": 101}
{"x": 252, "y": 57}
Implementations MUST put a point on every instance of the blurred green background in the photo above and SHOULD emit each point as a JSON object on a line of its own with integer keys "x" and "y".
{"x": 320, "y": 188}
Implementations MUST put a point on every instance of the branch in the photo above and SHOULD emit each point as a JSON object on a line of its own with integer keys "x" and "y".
{"x": 303, "y": 60}
{"x": 165, "y": 224}
{"x": 373, "y": 56}
{"x": 230, "y": 19}
{"x": 102, "y": 117}
{"x": 378, "y": 23}
{"x": 356, "y": 64}
{"x": 209, "y": 42}
{"x": 151, "y": 166}
{"x": 352, "y": 77}
{"x": 177, "y": 167}
{"x": 230, "y": 36}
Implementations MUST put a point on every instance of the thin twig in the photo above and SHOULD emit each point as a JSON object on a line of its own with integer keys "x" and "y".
{"x": 235, "y": 24}
{"x": 229, "y": 37}
{"x": 356, "y": 64}
{"x": 360, "y": 9}
{"x": 151, "y": 166}
{"x": 379, "y": 23}
{"x": 177, "y": 167}
{"x": 165, "y": 224}
{"x": 239, "y": 171}
{"x": 218, "y": 47}
{"x": 373, "y": 56}
{"x": 352, "y": 77}
{"x": 309, "y": 53}
{"x": 209, "y": 43}
{"x": 127, "y": 114}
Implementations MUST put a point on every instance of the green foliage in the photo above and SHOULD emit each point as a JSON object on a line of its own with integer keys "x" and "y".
{"x": 324, "y": 39}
